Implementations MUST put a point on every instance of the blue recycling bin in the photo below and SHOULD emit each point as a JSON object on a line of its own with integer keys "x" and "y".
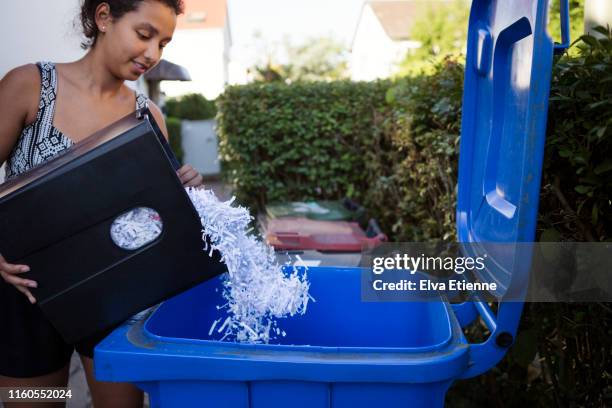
{"x": 347, "y": 353}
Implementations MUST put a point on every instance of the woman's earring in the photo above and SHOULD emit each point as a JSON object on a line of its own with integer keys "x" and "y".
{"x": 103, "y": 28}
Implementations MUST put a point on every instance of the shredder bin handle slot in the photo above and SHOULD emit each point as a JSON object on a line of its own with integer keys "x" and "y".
{"x": 565, "y": 28}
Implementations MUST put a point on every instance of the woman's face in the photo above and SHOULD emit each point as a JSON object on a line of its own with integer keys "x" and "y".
{"x": 133, "y": 44}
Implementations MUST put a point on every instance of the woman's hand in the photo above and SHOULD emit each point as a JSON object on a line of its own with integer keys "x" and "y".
{"x": 189, "y": 176}
{"x": 9, "y": 274}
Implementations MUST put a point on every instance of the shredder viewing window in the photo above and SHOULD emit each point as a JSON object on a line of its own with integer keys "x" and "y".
{"x": 136, "y": 228}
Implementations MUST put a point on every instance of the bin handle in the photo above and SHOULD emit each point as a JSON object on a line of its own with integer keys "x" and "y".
{"x": 502, "y": 327}
{"x": 565, "y": 28}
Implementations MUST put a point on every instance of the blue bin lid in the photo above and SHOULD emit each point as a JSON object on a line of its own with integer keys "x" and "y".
{"x": 505, "y": 102}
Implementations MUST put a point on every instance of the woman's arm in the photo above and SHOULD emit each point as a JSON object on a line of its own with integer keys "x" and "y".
{"x": 19, "y": 94}
{"x": 19, "y": 90}
{"x": 159, "y": 118}
{"x": 188, "y": 175}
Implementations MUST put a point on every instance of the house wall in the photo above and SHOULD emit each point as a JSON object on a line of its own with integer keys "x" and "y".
{"x": 203, "y": 53}
{"x": 35, "y": 30}
{"x": 227, "y": 46}
{"x": 373, "y": 54}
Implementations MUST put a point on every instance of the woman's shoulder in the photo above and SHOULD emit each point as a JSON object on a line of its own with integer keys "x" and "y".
{"x": 21, "y": 85}
{"x": 25, "y": 76}
{"x": 155, "y": 110}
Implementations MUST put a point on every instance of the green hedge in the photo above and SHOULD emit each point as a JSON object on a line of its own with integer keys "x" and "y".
{"x": 577, "y": 184}
{"x": 174, "y": 136}
{"x": 300, "y": 141}
{"x": 424, "y": 134}
{"x": 386, "y": 143}
{"x": 190, "y": 106}
{"x": 394, "y": 147}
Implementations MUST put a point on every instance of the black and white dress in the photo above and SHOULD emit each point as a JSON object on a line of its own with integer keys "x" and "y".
{"x": 41, "y": 141}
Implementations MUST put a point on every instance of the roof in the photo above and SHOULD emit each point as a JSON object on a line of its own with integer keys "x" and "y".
{"x": 201, "y": 14}
{"x": 398, "y": 16}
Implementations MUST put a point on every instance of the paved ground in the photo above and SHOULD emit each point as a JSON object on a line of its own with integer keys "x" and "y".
{"x": 222, "y": 190}
{"x": 78, "y": 384}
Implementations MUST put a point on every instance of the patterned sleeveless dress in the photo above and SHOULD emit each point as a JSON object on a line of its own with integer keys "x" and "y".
{"x": 40, "y": 141}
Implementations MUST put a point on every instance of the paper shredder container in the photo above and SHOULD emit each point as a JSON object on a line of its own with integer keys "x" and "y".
{"x": 57, "y": 218}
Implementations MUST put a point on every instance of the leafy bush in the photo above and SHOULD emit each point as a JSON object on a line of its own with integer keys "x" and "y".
{"x": 174, "y": 136}
{"x": 379, "y": 142}
{"x": 576, "y": 18}
{"x": 301, "y": 141}
{"x": 191, "y": 106}
{"x": 577, "y": 184}
{"x": 441, "y": 28}
{"x": 425, "y": 129}
{"x": 315, "y": 59}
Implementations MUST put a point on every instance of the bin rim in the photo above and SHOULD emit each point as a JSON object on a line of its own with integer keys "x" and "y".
{"x": 128, "y": 349}
{"x": 261, "y": 347}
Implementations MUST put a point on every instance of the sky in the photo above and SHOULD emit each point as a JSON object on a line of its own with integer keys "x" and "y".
{"x": 296, "y": 20}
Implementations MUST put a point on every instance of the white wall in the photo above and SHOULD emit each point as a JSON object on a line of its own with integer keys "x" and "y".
{"x": 374, "y": 54}
{"x": 35, "y": 30}
{"x": 199, "y": 142}
{"x": 202, "y": 52}
{"x": 227, "y": 47}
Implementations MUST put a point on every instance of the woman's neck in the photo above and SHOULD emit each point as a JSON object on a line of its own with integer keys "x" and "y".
{"x": 93, "y": 74}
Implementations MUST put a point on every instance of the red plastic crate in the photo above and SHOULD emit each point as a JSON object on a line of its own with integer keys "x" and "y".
{"x": 292, "y": 233}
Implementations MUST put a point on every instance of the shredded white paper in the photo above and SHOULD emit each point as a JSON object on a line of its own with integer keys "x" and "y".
{"x": 136, "y": 228}
{"x": 256, "y": 290}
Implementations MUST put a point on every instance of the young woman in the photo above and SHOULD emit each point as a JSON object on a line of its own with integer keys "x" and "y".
{"x": 44, "y": 109}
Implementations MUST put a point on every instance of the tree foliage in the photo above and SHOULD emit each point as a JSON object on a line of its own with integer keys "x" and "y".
{"x": 441, "y": 29}
{"x": 576, "y": 21}
{"x": 316, "y": 59}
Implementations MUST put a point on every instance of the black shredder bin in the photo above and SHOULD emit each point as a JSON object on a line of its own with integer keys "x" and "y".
{"x": 57, "y": 219}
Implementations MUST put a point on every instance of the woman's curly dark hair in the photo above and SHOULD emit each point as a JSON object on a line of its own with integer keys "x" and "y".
{"x": 117, "y": 9}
